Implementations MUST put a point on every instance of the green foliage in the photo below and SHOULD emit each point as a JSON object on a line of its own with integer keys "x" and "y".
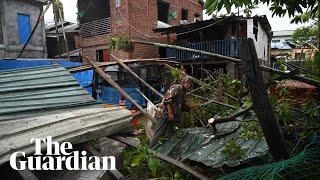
{"x": 278, "y": 7}
{"x": 217, "y": 5}
{"x": 142, "y": 164}
{"x": 233, "y": 151}
{"x": 172, "y": 15}
{"x": 58, "y": 6}
{"x": 251, "y": 130}
{"x": 279, "y": 63}
{"x": 304, "y": 33}
{"x": 311, "y": 109}
{"x": 120, "y": 42}
{"x": 176, "y": 75}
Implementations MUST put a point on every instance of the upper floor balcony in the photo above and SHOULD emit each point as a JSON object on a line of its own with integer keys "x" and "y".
{"x": 96, "y": 27}
{"x": 222, "y": 47}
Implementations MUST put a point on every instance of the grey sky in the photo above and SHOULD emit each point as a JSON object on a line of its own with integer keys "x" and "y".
{"x": 277, "y": 23}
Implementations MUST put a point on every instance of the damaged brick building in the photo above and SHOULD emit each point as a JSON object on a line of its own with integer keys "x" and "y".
{"x": 102, "y": 20}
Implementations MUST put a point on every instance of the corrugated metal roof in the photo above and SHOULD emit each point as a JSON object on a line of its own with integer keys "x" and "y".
{"x": 283, "y": 33}
{"x": 200, "y": 145}
{"x": 47, "y": 101}
{"x": 40, "y": 88}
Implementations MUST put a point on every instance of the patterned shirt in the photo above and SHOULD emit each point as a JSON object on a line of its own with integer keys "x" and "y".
{"x": 175, "y": 96}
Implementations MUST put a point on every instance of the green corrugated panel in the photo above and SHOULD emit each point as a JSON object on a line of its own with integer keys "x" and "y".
{"x": 40, "y": 89}
{"x": 200, "y": 145}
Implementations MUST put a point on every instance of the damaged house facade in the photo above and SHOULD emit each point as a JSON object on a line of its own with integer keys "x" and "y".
{"x": 102, "y": 20}
{"x": 17, "y": 18}
{"x": 221, "y": 36}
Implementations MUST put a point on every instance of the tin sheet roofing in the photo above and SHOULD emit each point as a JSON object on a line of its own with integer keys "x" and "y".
{"x": 200, "y": 145}
{"x": 47, "y": 101}
{"x": 38, "y": 89}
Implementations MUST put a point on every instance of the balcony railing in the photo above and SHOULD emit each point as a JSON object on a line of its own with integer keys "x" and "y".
{"x": 222, "y": 47}
{"x": 97, "y": 27}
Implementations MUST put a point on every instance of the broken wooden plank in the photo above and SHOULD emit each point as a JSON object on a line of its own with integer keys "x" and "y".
{"x": 107, "y": 78}
{"x": 170, "y": 160}
{"x": 121, "y": 63}
{"x": 261, "y": 102}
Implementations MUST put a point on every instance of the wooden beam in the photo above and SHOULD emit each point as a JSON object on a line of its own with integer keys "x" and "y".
{"x": 136, "y": 76}
{"x": 105, "y": 64}
{"x": 233, "y": 60}
{"x": 170, "y": 160}
{"x": 261, "y": 102}
{"x": 107, "y": 78}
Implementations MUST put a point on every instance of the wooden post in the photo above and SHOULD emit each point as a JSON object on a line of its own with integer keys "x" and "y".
{"x": 136, "y": 76}
{"x": 261, "y": 102}
{"x": 107, "y": 78}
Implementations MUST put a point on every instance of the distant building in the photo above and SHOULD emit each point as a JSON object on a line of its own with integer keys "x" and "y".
{"x": 55, "y": 49}
{"x": 101, "y": 20}
{"x": 220, "y": 36}
{"x": 282, "y": 36}
{"x": 17, "y": 19}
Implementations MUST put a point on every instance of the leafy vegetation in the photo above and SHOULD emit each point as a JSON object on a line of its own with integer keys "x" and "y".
{"x": 120, "y": 42}
{"x": 233, "y": 151}
{"x": 304, "y": 34}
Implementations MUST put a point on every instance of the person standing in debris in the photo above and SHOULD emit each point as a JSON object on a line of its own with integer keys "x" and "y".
{"x": 170, "y": 109}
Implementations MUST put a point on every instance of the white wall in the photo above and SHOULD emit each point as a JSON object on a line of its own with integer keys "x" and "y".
{"x": 261, "y": 43}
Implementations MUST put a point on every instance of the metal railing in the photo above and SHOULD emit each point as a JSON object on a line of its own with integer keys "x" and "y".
{"x": 97, "y": 27}
{"x": 222, "y": 47}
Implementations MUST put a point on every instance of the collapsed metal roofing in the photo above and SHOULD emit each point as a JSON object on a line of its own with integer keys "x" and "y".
{"x": 200, "y": 145}
{"x": 47, "y": 101}
{"x": 38, "y": 89}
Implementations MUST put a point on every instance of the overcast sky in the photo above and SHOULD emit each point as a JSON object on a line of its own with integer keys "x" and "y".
{"x": 277, "y": 23}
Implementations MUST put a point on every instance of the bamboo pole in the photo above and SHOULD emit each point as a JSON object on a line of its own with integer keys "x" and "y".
{"x": 107, "y": 78}
{"x": 105, "y": 64}
{"x": 136, "y": 76}
{"x": 64, "y": 33}
{"x": 234, "y": 60}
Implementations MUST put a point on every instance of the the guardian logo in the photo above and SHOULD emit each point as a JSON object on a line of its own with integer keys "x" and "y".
{"x": 57, "y": 157}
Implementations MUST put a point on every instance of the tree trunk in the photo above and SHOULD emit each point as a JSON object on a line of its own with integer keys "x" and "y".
{"x": 261, "y": 102}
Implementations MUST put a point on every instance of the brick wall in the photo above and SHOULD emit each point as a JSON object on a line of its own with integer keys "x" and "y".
{"x": 142, "y": 15}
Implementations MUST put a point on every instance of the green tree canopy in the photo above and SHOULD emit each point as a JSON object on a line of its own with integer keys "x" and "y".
{"x": 300, "y": 10}
{"x": 304, "y": 34}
